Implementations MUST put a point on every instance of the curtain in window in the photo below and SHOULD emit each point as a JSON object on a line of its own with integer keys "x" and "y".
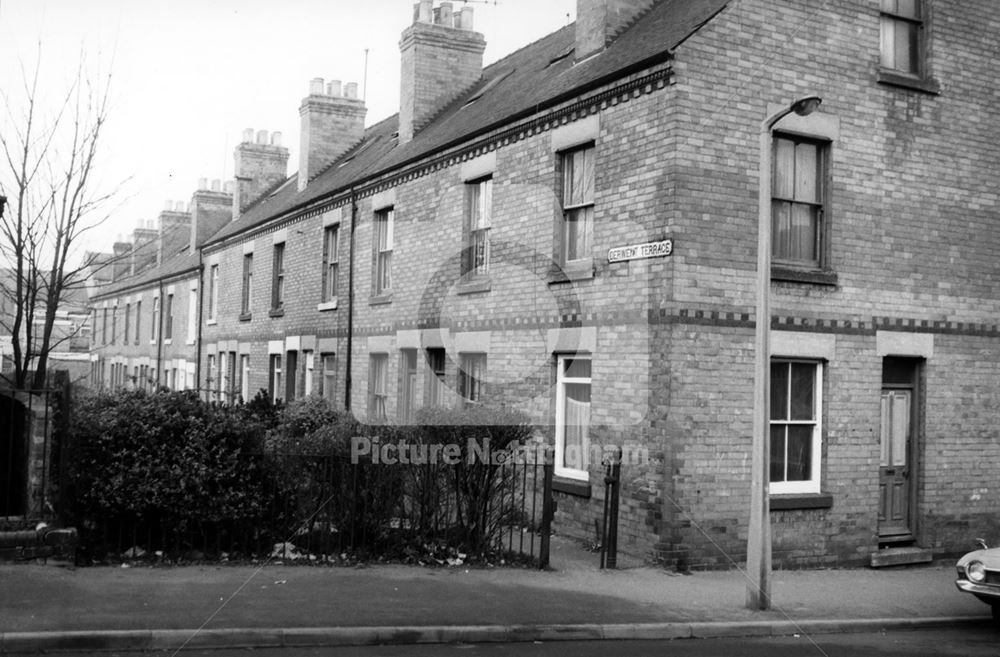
{"x": 795, "y": 207}
{"x": 577, "y": 429}
{"x": 376, "y": 384}
{"x": 578, "y": 200}
{"x": 473, "y": 374}
{"x": 383, "y": 255}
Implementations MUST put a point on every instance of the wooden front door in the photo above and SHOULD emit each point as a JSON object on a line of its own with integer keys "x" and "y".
{"x": 897, "y": 466}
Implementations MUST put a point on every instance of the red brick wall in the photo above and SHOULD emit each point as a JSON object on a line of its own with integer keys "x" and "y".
{"x": 911, "y": 208}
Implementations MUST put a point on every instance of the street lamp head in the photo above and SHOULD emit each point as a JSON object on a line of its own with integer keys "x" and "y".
{"x": 806, "y": 105}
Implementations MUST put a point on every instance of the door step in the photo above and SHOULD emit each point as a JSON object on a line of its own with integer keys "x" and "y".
{"x": 900, "y": 556}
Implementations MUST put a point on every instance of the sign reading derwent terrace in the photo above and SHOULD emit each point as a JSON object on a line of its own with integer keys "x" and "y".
{"x": 639, "y": 251}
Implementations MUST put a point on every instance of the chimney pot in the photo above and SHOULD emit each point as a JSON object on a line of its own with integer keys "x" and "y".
{"x": 276, "y": 138}
{"x": 215, "y": 184}
{"x": 352, "y": 90}
{"x": 167, "y": 207}
{"x": 262, "y": 137}
{"x": 465, "y": 19}
{"x": 333, "y": 88}
{"x": 316, "y": 87}
{"x": 203, "y": 183}
{"x": 423, "y": 11}
{"x": 179, "y": 206}
{"x": 444, "y": 14}
{"x": 228, "y": 187}
{"x": 248, "y": 136}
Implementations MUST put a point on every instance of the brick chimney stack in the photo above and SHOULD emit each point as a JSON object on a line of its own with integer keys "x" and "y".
{"x": 144, "y": 249}
{"x": 441, "y": 57}
{"x": 260, "y": 165}
{"x": 122, "y": 261}
{"x": 175, "y": 230}
{"x": 333, "y": 120}
{"x": 598, "y": 22}
{"x": 211, "y": 208}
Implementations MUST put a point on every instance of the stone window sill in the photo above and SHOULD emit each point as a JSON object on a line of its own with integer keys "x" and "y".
{"x": 801, "y": 501}
{"x": 210, "y": 322}
{"x": 473, "y": 286}
{"x": 246, "y": 317}
{"x": 276, "y": 312}
{"x": 794, "y": 275}
{"x": 569, "y": 486}
{"x": 380, "y": 299}
{"x": 327, "y": 305}
{"x": 577, "y": 270}
{"x": 896, "y": 79}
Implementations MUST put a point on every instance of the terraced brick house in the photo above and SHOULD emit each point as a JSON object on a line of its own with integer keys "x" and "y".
{"x": 145, "y": 319}
{"x": 572, "y": 230}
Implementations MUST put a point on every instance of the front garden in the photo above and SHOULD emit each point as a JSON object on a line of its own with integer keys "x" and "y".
{"x": 165, "y": 477}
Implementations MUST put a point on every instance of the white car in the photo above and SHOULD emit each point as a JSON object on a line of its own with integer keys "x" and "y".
{"x": 979, "y": 574}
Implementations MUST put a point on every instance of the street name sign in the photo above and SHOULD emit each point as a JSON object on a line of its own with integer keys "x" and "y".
{"x": 659, "y": 249}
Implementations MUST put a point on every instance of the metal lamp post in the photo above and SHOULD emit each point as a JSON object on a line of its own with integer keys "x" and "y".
{"x": 759, "y": 535}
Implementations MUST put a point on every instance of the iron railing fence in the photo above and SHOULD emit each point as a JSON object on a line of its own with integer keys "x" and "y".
{"x": 330, "y": 508}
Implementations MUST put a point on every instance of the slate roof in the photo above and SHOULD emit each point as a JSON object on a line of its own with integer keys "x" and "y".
{"x": 537, "y": 76}
{"x": 180, "y": 262}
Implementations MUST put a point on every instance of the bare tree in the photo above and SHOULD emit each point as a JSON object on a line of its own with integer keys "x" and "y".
{"x": 49, "y": 173}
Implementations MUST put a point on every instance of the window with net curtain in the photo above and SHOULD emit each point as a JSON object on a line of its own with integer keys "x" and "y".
{"x": 572, "y": 415}
{"x": 331, "y": 262}
{"x": 478, "y": 210}
{"x": 329, "y": 379}
{"x": 472, "y": 377}
{"x": 436, "y": 372}
{"x": 797, "y": 211}
{"x": 278, "y": 277}
{"x": 378, "y": 374}
{"x": 901, "y": 25}
{"x": 384, "y": 221}
{"x": 578, "y": 203}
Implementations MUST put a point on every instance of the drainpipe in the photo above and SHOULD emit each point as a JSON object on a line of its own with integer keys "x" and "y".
{"x": 350, "y": 305}
{"x": 197, "y": 342}
{"x": 159, "y": 340}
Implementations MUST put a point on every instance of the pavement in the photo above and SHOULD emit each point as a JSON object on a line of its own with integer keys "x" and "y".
{"x": 45, "y": 607}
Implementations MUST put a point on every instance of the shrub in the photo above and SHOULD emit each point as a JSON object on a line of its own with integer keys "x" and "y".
{"x": 478, "y": 483}
{"x": 164, "y": 458}
{"x": 167, "y": 470}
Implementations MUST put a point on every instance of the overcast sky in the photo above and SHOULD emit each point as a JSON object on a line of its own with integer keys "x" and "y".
{"x": 191, "y": 75}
